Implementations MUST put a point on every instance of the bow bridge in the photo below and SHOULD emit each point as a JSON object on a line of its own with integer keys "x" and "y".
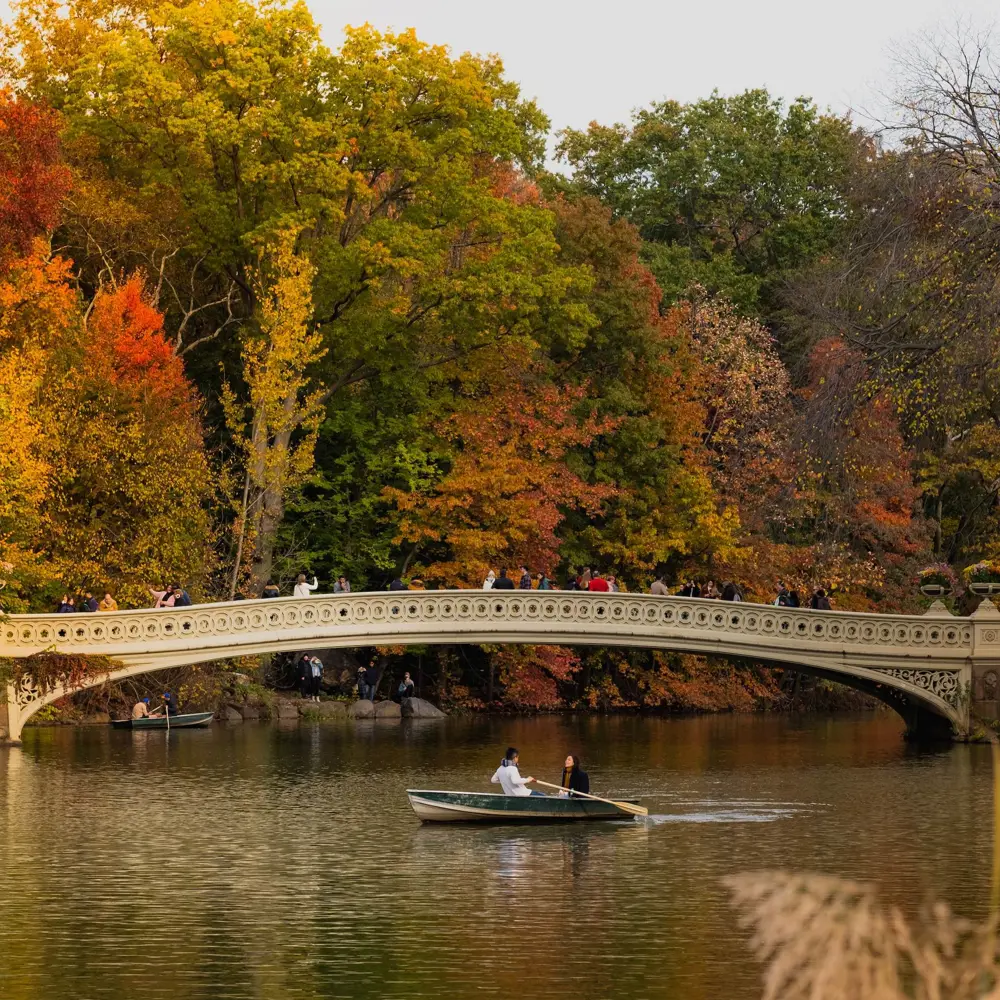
{"x": 933, "y": 669}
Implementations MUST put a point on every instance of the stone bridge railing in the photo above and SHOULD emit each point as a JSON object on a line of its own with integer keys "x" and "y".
{"x": 930, "y": 662}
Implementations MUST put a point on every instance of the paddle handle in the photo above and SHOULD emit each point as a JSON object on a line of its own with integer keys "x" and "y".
{"x": 624, "y": 806}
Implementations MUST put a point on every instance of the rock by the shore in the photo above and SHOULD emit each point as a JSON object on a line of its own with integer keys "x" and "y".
{"x": 230, "y": 714}
{"x": 333, "y": 709}
{"x": 96, "y": 719}
{"x": 249, "y": 713}
{"x": 417, "y": 708}
{"x": 363, "y": 709}
{"x": 388, "y": 710}
{"x": 286, "y": 710}
{"x": 323, "y": 709}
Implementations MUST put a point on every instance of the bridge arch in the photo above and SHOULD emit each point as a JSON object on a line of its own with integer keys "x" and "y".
{"x": 921, "y": 665}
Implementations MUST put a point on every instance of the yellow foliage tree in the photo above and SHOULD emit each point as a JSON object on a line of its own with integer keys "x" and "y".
{"x": 275, "y": 423}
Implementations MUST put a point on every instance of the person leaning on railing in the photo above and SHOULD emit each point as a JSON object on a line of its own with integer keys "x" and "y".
{"x": 302, "y": 588}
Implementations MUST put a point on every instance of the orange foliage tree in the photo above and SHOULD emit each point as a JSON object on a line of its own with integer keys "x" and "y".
{"x": 639, "y": 368}
{"x": 33, "y": 180}
{"x": 131, "y": 485}
{"x": 508, "y": 488}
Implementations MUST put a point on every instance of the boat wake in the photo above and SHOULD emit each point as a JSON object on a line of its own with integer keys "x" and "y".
{"x": 738, "y": 812}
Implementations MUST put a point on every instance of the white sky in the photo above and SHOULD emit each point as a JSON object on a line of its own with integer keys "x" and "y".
{"x": 586, "y": 60}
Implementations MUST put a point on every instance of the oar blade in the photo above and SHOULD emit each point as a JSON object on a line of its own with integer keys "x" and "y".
{"x": 632, "y": 808}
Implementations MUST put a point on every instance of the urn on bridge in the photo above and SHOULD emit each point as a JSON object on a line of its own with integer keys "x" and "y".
{"x": 938, "y": 580}
{"x": 983, "y": 577}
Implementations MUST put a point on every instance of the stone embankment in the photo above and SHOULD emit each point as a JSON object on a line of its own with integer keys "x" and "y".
{"x": 289, "y": 709}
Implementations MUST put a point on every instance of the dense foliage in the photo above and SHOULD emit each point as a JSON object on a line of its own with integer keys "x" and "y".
{"x": 269, "y": 308}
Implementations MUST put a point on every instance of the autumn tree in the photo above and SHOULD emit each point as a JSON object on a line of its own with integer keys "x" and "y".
{"x": 729, "y": 193}
{"x": 508, "y": 487}
{"x": 275, "y": 425}
{"x": 38, "y": 314}
{"x": 640, "y": 371}
{"x": 33, "y": 177}
{"x": 131, "y": 484}
{"x": 199, "y": 131}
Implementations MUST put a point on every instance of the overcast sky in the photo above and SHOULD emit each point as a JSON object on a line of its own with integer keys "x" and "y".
{"x": 586, "y": 60}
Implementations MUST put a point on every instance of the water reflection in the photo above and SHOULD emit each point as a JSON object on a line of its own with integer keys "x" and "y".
{"x": 266, "y": 862}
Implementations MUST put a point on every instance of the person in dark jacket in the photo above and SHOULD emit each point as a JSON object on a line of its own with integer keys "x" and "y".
{"x": 503, "y": 582}
{"x": 525, "y": 583}
{"x": 67, "y": 606}
{"x": 397, "y": 584}
{"x": 372, "y": 676}
{"x": 270, "y": 590}
{"x": 819, "y": 601}
{"x": 305, "y": 676}
{"x": 169, "y": 706}
{"x": 574, "y": 778}
{"x": 87, "y": 603}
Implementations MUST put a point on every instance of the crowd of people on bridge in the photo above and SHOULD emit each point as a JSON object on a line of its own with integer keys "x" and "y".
{"x": 590, "y": 580}
{"x": 86, "y": 602}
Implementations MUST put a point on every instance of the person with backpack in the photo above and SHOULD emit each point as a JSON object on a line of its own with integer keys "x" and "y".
{"x": 181, "y": 597}
{"x": 406, "y": 688}
{"x": 819, "y": 601}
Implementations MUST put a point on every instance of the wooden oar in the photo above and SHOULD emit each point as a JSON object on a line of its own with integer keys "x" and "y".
{"x": 628, "y": 807}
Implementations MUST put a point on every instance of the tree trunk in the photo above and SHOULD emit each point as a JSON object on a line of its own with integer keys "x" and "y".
{"x": 270, "y": 475}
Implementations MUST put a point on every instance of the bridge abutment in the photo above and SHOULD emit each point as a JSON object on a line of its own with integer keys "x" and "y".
{"x": 984, "y": 694}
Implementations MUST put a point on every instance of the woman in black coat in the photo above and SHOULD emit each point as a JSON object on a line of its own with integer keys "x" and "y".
{"x": 574, "y": 778}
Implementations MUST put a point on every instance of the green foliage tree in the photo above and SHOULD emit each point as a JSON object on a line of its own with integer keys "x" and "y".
{"x": 729, "y": 193}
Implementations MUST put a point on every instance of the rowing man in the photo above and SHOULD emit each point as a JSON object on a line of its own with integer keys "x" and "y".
{"x": 169, "y": 707}
{"x": 509, "y": 777}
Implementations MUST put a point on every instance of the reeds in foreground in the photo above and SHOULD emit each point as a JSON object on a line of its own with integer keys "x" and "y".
{"x": 826, "y": 938}
{"x": 822, "y": 938}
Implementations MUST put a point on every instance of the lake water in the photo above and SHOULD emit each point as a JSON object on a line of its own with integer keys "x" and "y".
{"x": 261, "y": 862}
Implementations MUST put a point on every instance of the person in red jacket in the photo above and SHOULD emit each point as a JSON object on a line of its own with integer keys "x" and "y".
{"x": 598, "y": 583}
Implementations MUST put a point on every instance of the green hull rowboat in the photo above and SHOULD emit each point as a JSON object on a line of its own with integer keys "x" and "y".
{"x": 484, "y": 807}
{"x": 176, "y": 721}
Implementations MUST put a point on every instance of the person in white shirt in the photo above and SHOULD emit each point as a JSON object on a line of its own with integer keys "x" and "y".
{"x": 302, "y": 588}
{"x": 509, "y": 778}
{"x": 488, "y": 582}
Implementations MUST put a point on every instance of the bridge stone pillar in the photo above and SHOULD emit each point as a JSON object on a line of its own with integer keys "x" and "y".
{"x": 5, "y": 715}
{"x": 985, "y": 694}
{"x": 11, "y": 718}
